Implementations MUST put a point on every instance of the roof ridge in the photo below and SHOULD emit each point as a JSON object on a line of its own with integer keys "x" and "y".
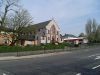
{"x": 43, "y": 22}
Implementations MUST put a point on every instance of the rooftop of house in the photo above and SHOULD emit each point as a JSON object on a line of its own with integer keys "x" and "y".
{"x": 40, "y": 25}
{"x": 34, "y": 28}
{"x": 69, "y": 35}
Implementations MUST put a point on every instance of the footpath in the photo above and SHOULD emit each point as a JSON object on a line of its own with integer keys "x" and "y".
{"x": 31, "y": 56}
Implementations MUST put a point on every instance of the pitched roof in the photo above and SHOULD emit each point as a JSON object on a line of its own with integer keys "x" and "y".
{"x": 68, "y": 35}
{"x": 40, "y": 25}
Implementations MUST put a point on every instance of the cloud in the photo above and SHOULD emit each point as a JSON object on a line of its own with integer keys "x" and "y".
{"x": 68, "y": 9}
{"x": 66, "y": 12}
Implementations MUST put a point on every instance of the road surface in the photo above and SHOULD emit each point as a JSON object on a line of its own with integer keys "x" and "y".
{"x": 80, "y": 62}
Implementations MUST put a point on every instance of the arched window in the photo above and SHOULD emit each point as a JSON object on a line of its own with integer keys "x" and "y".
{"x": 53, "y": 29}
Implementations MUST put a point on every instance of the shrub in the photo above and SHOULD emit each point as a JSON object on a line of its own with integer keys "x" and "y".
{"x": 5, "y": 49}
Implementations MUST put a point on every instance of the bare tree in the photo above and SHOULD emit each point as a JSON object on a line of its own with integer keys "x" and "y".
{"x": 91, "y": 30}
{"x": 98, "y": 34}
{"x": 7, "y": 6}
{"x": 1, "y": 1}
{"x": 81, "y": 35}
{"x": 88, "y": 27}
{"x": 94, "y": 26}
{"x": 19, "y": 22}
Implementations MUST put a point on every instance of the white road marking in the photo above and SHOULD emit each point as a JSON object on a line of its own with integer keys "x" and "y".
{"x": 96, "y": 67}
{"x": 98, "y": 57}
{"x": 4, "y": 74}
{"x": 78, "y": 74}
{"x": 93, "y": 55}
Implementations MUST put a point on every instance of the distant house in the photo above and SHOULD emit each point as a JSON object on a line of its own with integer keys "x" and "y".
{"x": 74, "y": 39}
{"x": 45, "y": 32}
{"x": 83, "y": 40}
{"x": 61, "y": 38}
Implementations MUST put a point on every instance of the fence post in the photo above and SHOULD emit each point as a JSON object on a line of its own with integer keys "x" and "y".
{"x": 43, "y": 48}
{"x": 65, "y": 48}
{"x": 17, "y": 53}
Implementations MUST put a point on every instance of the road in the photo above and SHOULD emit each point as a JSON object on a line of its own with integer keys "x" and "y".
{"x": 80, "y": 62}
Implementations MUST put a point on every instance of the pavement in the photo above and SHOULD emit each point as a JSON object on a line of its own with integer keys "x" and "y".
{"x": 30, "y": 56}
{"x": 79, "y": 62}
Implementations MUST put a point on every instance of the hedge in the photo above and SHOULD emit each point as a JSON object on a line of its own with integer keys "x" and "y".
{"x": 5, "y": 49}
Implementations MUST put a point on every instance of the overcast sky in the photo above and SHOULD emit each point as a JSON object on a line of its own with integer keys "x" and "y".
{"x": 71, "y": 15}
